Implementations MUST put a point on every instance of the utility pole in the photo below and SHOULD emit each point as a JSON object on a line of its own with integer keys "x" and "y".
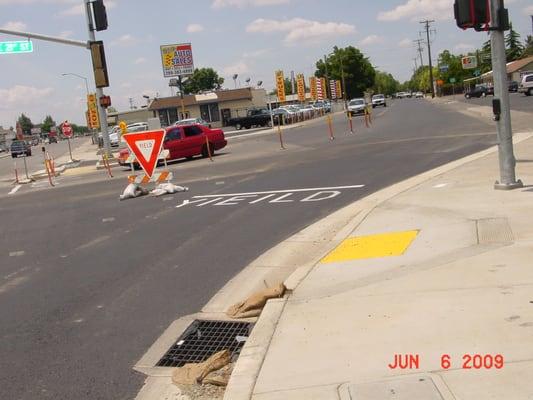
{"x": 427, "y": 24}
{"x": 416, "y": 64}
{"x": 501, "y": 106}
{"x": 99, "y": 92}
{"x": 327, "y": 77}
{"x": 420, "y": 50}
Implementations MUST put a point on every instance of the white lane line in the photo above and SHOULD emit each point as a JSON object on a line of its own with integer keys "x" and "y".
{"x": 110, "y": 219}
{"x": 15, "y": 189}
{"x": 440, "y": 185}
{"x": 281, "y": 191}
{"x": 17, "y": 253}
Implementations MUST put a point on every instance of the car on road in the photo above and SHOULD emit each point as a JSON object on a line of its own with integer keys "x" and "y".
{"x": 379, "y": 100}
{"x": 356, "y": 106}
{"x": 20, "y": 148}
{"x": 513, "y": 86}
{"x": 480, "y": 91}
{"x": 187, "y": 141}
{"x": 254, "y": 117}
{"x": 526, "y": 86}
{"x": 190, "y": 121}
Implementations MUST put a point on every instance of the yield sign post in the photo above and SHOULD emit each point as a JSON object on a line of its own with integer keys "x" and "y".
{"x": 146, "y": 147}
{"x": 67, "y": 131}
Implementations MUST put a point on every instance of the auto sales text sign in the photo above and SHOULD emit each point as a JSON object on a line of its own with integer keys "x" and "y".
{"x": 177, "y": 60}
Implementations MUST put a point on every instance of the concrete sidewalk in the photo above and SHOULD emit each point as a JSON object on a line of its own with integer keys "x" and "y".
{"x": 437, "y": 268}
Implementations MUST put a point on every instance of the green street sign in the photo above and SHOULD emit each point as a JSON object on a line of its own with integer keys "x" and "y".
{"x": 477, "y": 72}
{"x": 22, "y": 46}
{"x": 452, "y": 80}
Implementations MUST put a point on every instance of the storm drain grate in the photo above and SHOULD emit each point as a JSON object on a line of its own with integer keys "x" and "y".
{"x": 202, "y": 339}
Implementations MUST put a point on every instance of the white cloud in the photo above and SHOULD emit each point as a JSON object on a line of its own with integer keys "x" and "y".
{"x": 20, "y": 96}
{"x": 15, "y": 26}
{"x": 238, "y": 68}
{"x": 528, "y": 10}
{"x": 257, "y": 53}
{"x": 194, "y": 28}
{"x": 404, "y": 43}
{"x": 417, "y": 9}
{"x": 247, "y": 3}
{"x": 371, "y": 39}
{"x": 299, "y": 30}
{"x": 140, "y": 60}
{"x": 124, "y": 40}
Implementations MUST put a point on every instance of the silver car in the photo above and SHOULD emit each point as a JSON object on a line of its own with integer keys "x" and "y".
{"x": 356, "y": 106}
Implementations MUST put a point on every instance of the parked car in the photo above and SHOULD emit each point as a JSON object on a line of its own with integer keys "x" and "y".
{"x": 419, "y": 95}
{"x": 3, "y": 147}
{"x": 190, "y": 121}
{"x": 480, "y": 91}
{"x": 378, "y": 100}
{"x": 356, "y": 106}
{"x": 322, "y": 104}
{"x": 187, "y": 141}
{"x": 526, "y": 86}
{"x": 513, "y": 86}
{"x": 254, "y": 117}
{"x": 20, "y": 148}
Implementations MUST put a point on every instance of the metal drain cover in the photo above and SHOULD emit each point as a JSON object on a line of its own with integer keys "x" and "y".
{"x": 202, "y": 339}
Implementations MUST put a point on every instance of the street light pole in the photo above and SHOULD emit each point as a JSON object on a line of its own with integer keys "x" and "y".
{"x": 99, "y": 92}
{"x": 81, "y": 77}
{"x": 501, "y": 98}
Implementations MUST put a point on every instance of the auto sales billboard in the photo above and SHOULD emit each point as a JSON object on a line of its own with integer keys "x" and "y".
{"x": 177, "y": 60}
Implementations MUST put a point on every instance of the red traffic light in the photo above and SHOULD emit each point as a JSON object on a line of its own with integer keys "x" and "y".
{"x": 105, "y": 101}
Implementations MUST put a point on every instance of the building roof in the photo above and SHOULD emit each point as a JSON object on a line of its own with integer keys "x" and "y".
{"x": 188, "y": 100}
{"x": 513, "y": 66}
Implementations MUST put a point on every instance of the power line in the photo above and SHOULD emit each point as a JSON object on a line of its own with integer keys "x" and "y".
{"x": 427, "y": 25}
{"x": 420, "y": 50}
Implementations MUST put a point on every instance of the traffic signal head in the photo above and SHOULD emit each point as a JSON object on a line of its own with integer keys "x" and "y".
{"x": 100, "y": 15}
{"x": 472, "y": 14}
{"x": 99, "y": 64}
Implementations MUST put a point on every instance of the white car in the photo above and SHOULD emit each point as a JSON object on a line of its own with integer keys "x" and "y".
{"x": 419, "y": 95}
{"x": 526, "y": 86}
{"x": 356, "y": 106}
{"x": 379, "y": 100}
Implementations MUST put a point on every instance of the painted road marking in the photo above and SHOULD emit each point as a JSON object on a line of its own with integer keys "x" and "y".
{"x": 15, "y": 189}
{"x": 440, "y": 185}
{"x": 17, "y": 253}
{"x": 110, "y": 219}
{"x": 374, "y": 246}
{"x": 308, "y": 195}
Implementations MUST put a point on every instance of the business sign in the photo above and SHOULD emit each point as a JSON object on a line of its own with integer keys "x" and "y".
{"x": 20, "y": 132}
{"x": 324, "y": 88}
{"x": 22, "y": 46}
{"x": 35, "y": 131}
{"x": 300, "y": 84}
{"x": 177, "y": 60}
{"x": 313, "y": 88}
{"x": 280, "y": 86}
{"x": 469, "y": 62}
{"x": 444, "y": 68}
{"x": 340, "y": 95}
{"x": 320, "y": 88}
{"x": 92, "y": 112}
{"x": 453, "y": 80}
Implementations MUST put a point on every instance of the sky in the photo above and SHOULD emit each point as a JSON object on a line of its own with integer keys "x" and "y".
{"x": 251, "y": 38}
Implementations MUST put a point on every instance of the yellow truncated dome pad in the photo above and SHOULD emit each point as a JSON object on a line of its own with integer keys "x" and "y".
{"x": 374, "y": 246}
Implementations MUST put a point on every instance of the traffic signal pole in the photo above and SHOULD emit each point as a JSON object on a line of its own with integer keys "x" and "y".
{"x": 501, "y": 94}
{"x": 99, "y": 92}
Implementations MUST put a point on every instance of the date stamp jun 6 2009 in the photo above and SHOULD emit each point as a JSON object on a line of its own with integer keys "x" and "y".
{"x": 466, "y": 361}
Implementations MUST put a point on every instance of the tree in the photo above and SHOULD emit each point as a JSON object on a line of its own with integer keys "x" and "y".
{"x": 528, "y": 47}
{"x": 485, "y": 57}
{"x": 385, "y": 83}
{"x": 359, "y": 74}
{"x": 25, "y": 124}
{"x": 47, "y": 123}
{"x": 514, "y": 47}
{"x": 202, "y": 79}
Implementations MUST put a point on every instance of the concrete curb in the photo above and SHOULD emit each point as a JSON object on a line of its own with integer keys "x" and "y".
{"x": 248, "y": 366}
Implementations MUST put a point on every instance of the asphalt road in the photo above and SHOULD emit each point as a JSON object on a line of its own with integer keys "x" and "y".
{"x": 35, "y": 161}
{"x": 88, "y": 283}
{"x": 519, "y": 101}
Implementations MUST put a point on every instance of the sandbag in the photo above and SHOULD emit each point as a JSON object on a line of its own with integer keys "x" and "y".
{"x": 253, "y": 306}
{"x": 167, "y": 188}
{"x": 133, "y": 190}
{"x": 191, "y": 374}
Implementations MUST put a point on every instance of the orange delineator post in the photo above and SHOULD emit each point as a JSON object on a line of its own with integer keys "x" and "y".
{"x": 350, "y": 121}
{"x": 330, "y": 125}
{"x": 280, "y": 137}
{"x": 16, "y": 174}
{"x": 106, "y": 164}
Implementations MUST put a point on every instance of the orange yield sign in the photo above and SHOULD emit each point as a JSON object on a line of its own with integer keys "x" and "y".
{"x": 146, "y": 147}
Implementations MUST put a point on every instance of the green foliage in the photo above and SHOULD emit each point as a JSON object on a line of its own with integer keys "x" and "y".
{"x": 201, "y": 80}
{"x": 528, "y": 47}
{"x": 79, "y": 128}
{"x": 514, "y": 47}
{"x": 47, "y": 123}
{"x": 385, "y": 84}
{"x": 359, "y": 74}
{"x": 25, "y": 124}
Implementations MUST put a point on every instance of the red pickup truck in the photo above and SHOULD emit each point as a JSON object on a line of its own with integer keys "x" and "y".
{"x": 187, "y": 141}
